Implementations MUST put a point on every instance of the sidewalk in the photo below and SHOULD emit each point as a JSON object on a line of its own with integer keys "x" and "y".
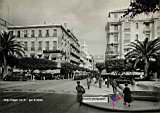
{"x": 99, "y": 93}
{"x": 95, "y": 90}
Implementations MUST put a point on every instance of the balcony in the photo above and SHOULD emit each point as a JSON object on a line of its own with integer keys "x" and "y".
{"x": 75, "y": 54}
{"x": 111, "y": 32}
{"x": 113, "y": 43}
{"x": 74, "y": 60}
{"x": 114, "y": 21}
{"x": 75, "y": 47}
{"x": 53, "y": 51}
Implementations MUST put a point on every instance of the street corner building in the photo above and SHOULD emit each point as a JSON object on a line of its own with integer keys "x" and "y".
{"x": 53, "y": 42}
{"x": 121, "y": 31}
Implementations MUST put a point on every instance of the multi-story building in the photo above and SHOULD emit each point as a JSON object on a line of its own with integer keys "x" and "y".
{"x": 121, "y": 31}
{"x": 4, "y": 24}
{"x": 52, "y": 42}
{"x": 99, "y": 58}
{"x": 86, "y": 59}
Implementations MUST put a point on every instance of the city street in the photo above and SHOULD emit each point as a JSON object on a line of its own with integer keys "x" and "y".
{"x": 57, "y": 96}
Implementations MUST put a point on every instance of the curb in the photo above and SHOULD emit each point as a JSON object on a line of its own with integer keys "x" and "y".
{"x": 118, "y": 110}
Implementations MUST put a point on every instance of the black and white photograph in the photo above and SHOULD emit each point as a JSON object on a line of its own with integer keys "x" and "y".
{"x": 79, "y": 56}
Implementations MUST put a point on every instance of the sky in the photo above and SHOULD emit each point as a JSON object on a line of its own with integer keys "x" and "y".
{"x": 86, "y": 18}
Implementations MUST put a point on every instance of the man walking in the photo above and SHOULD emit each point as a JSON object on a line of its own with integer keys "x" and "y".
{"x": 80, "y": 92}
{"x": 114, "y": 86}
{"x": 88, "y": 82}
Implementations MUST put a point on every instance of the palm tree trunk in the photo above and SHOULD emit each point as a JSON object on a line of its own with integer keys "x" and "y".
{"x": 4, "y": 67}
{"x": 146, "y": 67}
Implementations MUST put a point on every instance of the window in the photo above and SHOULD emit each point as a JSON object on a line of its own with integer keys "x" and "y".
{"x": 32, "y": 46}
{"x": 115, "y": 15}
{"x": 116, "y": 49}
{"x": 47, "y": 45}
{"x": 32, "y": 33}
{"x": 147, "y": 25}
{"x": 54, "y": 45}
{"x": 54, "y": 32}
{"x": 18, "y": 33}
{"x": 40, "y": 33}
{"x": 116, "y": 27}
{"x": 47, "y": 33}
{"x": 127, "y": 26}
{"x": 26, "y": 46}
{"x": 136, "y": 25}
{"x": 116, "y": 38}
{"x": 126, "y": 38}
{"x": 25, "y": 33}
{"x": 11, "y": 32}
{"x": 40, "y": 45}
{"x": 148, "y": 36}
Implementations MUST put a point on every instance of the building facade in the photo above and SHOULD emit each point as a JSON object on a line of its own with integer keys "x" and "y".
{"x": 121, "y": 31}
{"x": 4, "y": 24}
{"x": 99, "y": 58}
{"x": 86, "y": 59}
{"x": 52, "y": 42}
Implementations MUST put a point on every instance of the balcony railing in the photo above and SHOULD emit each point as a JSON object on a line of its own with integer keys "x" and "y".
{"x": 53, "y": 51}
{"x": 113, "y": 43}
{"x": 75, "y": 54}
{"x": 75, "y": 47}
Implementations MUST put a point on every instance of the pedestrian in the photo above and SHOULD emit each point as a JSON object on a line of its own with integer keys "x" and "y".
{"x": 127, "y": 95}
{"x": 105, "y": 81}
{"x": 100, "y": 82}
{"x": 114, "y": 86}
{"x": 88, "y": 82}
{"x": 80, "y": 92}
{"x": 94, "y": 80}
{"x": 108, "y": 82}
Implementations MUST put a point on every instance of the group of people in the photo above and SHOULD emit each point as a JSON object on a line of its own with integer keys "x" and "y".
{"x": 126, "y": 91}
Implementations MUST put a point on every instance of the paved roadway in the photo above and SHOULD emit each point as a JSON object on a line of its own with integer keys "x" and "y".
{"x": 57, "y": 96}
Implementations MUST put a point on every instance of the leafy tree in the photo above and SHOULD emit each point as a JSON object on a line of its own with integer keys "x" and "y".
{"x": 116, "y": 65}
{"x": 28, "y": 63}
{"x": 8, "y": 47}
{"x": 66, "y": 68}
{"x": 144, "y": 51}
{"x": 142, "y": 6}
{"x": 100, "y": 66}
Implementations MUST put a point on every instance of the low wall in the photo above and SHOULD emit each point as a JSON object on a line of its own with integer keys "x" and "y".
{"x": 145, "y": 95}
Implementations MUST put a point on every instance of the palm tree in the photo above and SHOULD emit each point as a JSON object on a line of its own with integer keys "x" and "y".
{"x": 8, "y": 47}
{"x": 144, "y": 51}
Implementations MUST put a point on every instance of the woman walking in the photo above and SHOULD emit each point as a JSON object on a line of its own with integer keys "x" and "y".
{"x": 127, "y": 95}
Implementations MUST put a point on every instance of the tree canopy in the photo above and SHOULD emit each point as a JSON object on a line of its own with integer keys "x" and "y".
{"x": 142, "y": 6}
{"x": 144, "y": 51}
{"x": 100, "y": 66}
{"x": 115, "y": 65}
{"x": 8, "y": 47}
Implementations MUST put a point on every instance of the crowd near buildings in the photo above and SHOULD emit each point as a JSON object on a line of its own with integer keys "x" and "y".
{"x": 120, "y": 31}
{"x": 55, "y": 42}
